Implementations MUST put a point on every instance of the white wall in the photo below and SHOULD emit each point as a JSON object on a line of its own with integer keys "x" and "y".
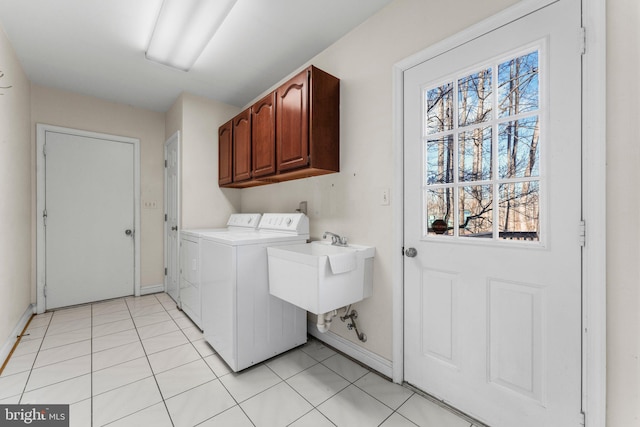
{"x": 348, "y": 203}
{"x": 68, "y": 109}
{"x": 15, "y": 190}
{"x": 204, "y": 204}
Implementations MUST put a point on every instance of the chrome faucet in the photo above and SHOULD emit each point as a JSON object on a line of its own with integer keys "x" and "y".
{"x": 335, "y": 239}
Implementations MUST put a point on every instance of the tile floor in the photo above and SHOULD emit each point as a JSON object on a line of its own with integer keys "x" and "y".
{"x": 141, "y": 362}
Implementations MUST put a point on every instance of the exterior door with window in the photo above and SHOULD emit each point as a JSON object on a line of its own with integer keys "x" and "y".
{"x": 492, "y": 216}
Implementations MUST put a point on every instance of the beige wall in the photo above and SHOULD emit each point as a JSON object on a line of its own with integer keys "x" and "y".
{"x": 204, "y": 204}
{"x": 15, "y": 190}
{"x": 623, "y": 208}
{"x": 67, "y": 109}
{"x": 348, "y": 203}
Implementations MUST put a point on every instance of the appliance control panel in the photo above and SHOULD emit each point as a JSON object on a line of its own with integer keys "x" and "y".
{"x": 297, "y": 223}
{"x": 248, "y": 220}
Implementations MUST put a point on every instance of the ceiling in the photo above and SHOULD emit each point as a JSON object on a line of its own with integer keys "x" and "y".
{"x": 96, "y": 47}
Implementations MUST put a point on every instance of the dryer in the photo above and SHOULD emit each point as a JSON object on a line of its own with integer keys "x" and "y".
{"x": 241, "y": 320}
{"x": 190, "y": 295}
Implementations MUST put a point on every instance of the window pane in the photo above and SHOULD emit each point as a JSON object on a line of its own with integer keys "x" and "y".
{"x": 440, "y": 160}
{"x": 476, "y": 211}
{"x": 439, "y": 109}
{"x": 518, "y": 89}
{"x": 439, "y": 207}
{"x": 475, "y": 154}
{"x": 519, "y": 211}
{"x": 519, "y": 154}
{"x": 474, "y": 98}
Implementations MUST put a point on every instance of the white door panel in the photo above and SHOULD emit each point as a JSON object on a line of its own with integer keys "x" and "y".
{"x": 90, "y": 206}
{"x": 493, "y": 325}
{"x": 172, "y": 212}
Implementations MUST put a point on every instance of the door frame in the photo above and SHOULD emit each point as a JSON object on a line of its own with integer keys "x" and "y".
{"x": 593, "y": 196}
{"x": 175, "y": 136}
{"x": 41, "y": 130}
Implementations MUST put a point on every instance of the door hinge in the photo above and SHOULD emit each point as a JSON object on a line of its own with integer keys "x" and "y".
{"x": 165, "y": 217}
{"x": 165, "y": 271}
{"x": 582, "y": 40}
{"x": 44, "y": 217}
{"x": 44, "y": 290}
{"x": 582, "y": 233}
{"x": 44, "y": 150}
{"x": 583, "y": 419}
{"x": 165, "y": 163}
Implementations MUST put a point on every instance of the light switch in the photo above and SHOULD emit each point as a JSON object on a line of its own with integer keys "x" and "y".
{"x": 384, "y": 197}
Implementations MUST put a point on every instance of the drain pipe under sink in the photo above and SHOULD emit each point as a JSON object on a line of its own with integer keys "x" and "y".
{"x": 324, "y": 320}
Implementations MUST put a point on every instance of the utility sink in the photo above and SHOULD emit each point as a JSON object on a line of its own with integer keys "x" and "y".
{"x": 320, "y": 277}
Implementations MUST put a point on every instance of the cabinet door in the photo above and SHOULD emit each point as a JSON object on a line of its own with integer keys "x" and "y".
{"x": 225, "y": 154}
{"x": 263, "y": 134}
{"x": 242, "y": 146}
{"x": 292, "y": 129}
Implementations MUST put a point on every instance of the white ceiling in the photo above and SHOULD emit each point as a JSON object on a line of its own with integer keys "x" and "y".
{"x": 96, "y": 47}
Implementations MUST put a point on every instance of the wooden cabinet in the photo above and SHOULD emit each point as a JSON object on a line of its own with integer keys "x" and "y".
{"x": 242, "y": 146}
{"x": 263, "y": 135}
{"x": 308, "y": 125}
{"x": 294, "y": 132}
{"x": 225, "y": 154}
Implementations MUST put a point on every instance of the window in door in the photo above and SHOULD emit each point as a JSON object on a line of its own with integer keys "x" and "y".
{"x": 482, "y": 137}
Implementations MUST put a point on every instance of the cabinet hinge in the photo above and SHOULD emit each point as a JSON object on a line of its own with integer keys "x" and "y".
{"x": 44, "y": 217}
{"x": 582, "y": 40}
{"x": 582, "y": 233}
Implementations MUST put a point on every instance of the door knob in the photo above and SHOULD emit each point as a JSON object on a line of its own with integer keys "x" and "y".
{"x": 128, "y": 232}
{"x": 174, "y": 228}
{"x": 411, "y": 252}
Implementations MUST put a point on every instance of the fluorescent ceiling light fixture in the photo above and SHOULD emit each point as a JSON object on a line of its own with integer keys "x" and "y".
{"x": 183, "y": 30}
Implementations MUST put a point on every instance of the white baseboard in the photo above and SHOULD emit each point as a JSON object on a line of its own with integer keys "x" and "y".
{"x": 11, "y": 340}
{"x": 362, "y": 355}
{"x": 151, "y": 289}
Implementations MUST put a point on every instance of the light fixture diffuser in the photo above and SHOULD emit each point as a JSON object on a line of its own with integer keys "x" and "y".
{"x": 184, "y": 28}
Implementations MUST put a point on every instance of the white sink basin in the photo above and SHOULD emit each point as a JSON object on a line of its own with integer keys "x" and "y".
{"x": 321, "y": 277}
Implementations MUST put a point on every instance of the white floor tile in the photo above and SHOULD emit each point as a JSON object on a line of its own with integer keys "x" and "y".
{"x": 426, "y": 413}
{"x": 353, "y": 406}
{"x": 12, "y": 400}
{"x": 231, "y": 417}
{"x": 19, "y": 364}
{"x": 156, "y": 416}
{"x": 317, "y": 384}
{"x": 34, "y": 333}
{"x": 65, "y": 314}
{"x": 116, "y": 355}
{"x": 68, "y": 325}
{"x": 267, "y": 409}
{"x": 146, "y": 310}
{"x": 12, "y": 385}
{"x": 397, "y": 420}
{"x": 123, "y": 401}
{"x": 101, "y": 319}
{"x": 164, "y": 342}
{"x": 109, "y": 307}
{"x": 58, "y": 372}
{"x": 218, "y": 365}
{"x": 80, "y": 414}
{"x": 119, "y": 375}
{"x": 26, "y": 347}
{"x": 193, "y": 333}
{"x": 137, "y": 302}
{"x": 172, "y": 358}
{"x": 392, "y": 395}
{"x": 62, "y": 353}
{"x": 51, "y": 341}
{"x": 249, "y": 382}
{"x": 203, "y": 348}
{"x": 114, "y": 340}
{"x": 156, "y": 329}
{"x": 312, "y": 419}
{"x": 112, "y": 327}
{"x": 150, "y": 319}
{"x": 345, "y": 367}
{"x": 291, "y": 363}
{"x": 39, "y": 321}
{"x": 183, "y": 322}
{"x": 65, "y": 392}
{"x": 183, "y": 378}
{"x": 317, "y": 350}
{"x": 199, "y": 404}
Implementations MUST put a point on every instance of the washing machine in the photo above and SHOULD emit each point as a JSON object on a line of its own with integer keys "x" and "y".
{"x": 190, "y": 295}
{"x": 243, "y": 323}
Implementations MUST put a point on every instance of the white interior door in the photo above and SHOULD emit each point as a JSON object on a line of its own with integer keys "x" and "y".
{"x": 492, "y": 216}
{"x": 172, "y": 218}
{"x": 90, "y": 218}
